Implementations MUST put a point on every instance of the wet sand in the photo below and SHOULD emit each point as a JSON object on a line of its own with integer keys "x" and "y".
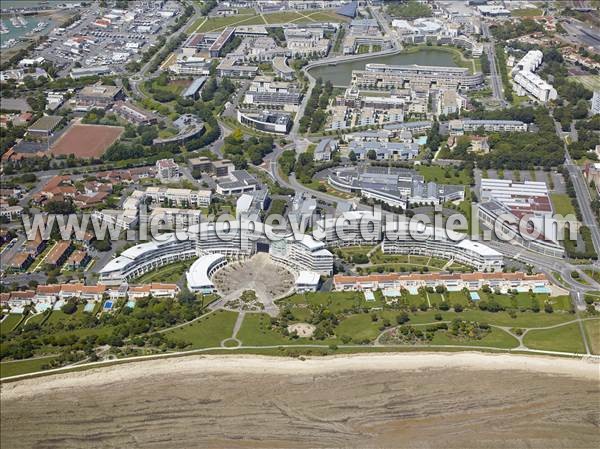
{"x": 459, "y": 400}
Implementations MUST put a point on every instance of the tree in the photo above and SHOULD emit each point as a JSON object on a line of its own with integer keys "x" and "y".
{"x": 69, "y": 308}
{"x": 352, "y": 156}
{"x": 371, "y": 155}
{"x": 402, "y": 318}
{"x": 186, "y": 296}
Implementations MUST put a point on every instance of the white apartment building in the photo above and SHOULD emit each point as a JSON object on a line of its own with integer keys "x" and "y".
{"x": 346, "y": 230}
{"x": 596, "y": 102}
{"x": 504, "y": 282}
{"x": 405, "y": 238}
{"x": 526, "y": 82}
{"x": 305, "y": 254}
{"x": 167, "y": 170}
{"x": 190, "y": 65}
{"x": 179, "y": 197}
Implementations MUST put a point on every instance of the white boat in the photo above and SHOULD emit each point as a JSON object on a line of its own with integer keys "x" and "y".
{"x": 22, "y": 20}
{"x": 3, "y": 29}
{"x": 9, "y": 43}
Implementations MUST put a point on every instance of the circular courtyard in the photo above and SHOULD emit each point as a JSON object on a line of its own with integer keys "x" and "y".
{"x": 259, "y": 273}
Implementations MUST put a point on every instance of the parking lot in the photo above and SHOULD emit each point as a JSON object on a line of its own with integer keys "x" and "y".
{"x": 108, "y": 37}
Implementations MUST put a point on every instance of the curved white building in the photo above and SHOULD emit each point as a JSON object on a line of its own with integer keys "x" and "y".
{"x": 437, "y": 242}
{"x": 145, "y": 257}
{"x": 199, "y": 275}
{"x": 222, "y": 239}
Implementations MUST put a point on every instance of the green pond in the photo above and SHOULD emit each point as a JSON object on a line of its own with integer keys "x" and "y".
{"x": 341, "y": 74}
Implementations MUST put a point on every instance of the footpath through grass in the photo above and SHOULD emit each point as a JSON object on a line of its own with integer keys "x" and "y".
{"x": 592, "y": 329}
{"x": 565, "y": 338}
{"x": 206, "y": 332}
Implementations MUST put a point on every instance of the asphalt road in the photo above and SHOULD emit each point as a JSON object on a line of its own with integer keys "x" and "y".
{"x": 495, "y": 78}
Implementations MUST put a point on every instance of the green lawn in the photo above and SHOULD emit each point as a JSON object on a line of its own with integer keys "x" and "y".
{"x": 9, "y": 323}
{"x": 220, "y": 23}
{"x": 256, "y": 330}
{"x": 444, "y": 175}
{"x": 301, "y": 314}
{"x": 349, "y": 251}
{"x": 327, "y": 16}
{"x": 523, "y": 300}
{"x": 562, "y": 204}
{"x": 207, "y": 332}
{"x": 277, "y": 207}
{"x": 358, "y": 327}
{"x": 522, "y": 320}
{"x": 592, "y": 329}
{"x": 335, "y": 301}
{"x": 286, "y": 17}
{"x": 564, "y": 338}
{"x": 594, "y": 274}
{"x": 249, "y": 17}
{"x": 169, "y": 273}
{"x": 59, "y": 316}
{"x": 23, "y": 366}
{"x": 592, "y": 82}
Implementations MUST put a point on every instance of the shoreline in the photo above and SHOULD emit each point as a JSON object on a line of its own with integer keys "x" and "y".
{"x": 256, "y": 364}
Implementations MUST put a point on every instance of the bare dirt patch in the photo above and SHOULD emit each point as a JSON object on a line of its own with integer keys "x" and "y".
{"x": 302, "y": 329}
{"x": 86, "y": 141}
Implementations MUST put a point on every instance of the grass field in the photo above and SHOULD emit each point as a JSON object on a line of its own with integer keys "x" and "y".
{"x": 349, "y": 251}
{"x": 565, "y": 338}
{"x": 256, "y": 330}
{"x": 206, "y": 332}
{"x": 358, "y": 327}
{"x": 249, "y": 17}
{"x": 23, "y": 366}
{"x": 562, "y": 204}
{"x": 444, "y": 175}
{"x": 220, "y": 23}
{"x": 336, "y": 302}
{"x": 592, "y": 329}
{"x": 9, "y": 323}
{"x": 169, "y": 273}
{"x": 277, "y": 207}
{"x": 592, "y": 82}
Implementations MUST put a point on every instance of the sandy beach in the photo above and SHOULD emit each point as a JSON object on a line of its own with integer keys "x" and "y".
{"x": 377, "y": 400}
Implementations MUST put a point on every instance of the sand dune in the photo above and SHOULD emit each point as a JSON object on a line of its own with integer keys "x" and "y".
{"x": 380, "y": 400}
